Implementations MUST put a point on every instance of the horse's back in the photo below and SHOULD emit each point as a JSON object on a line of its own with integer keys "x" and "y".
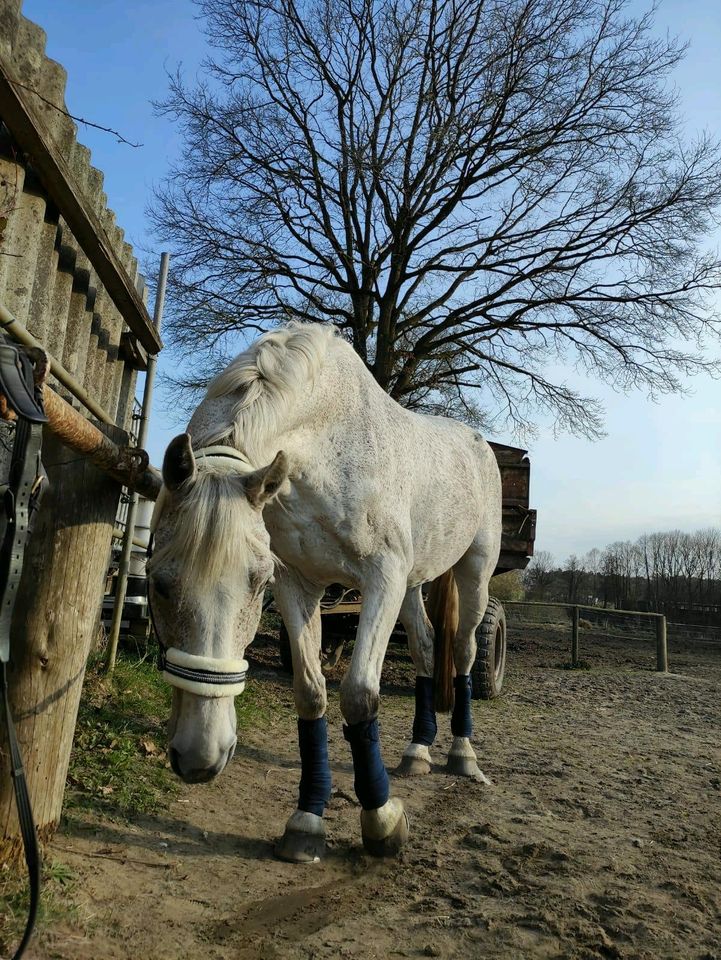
{"x": 432, "y": 478}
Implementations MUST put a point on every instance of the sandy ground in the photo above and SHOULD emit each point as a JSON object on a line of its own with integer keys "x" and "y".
{"x": 599, "y": 838}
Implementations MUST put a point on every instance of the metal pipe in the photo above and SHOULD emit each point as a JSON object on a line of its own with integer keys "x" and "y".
{"x": 119, "y": 534}
{"x": 124, "y": 565}
{"x": 20, "y": 333}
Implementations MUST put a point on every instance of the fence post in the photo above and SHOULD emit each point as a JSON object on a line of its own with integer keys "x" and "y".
{"x": 661, "y": 648}
{"x": 574, "y": 637}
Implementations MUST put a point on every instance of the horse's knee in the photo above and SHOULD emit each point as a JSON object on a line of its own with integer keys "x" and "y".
{"x": 310, "y": 696}
{"x": 359, "y": 701}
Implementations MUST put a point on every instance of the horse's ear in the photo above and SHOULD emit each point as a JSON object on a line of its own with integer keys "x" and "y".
{"x": 265, "y": 483}
{"x": 179, "y": 462}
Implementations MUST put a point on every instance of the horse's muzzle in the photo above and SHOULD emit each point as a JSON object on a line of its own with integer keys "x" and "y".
{"x": 198, "y": 774}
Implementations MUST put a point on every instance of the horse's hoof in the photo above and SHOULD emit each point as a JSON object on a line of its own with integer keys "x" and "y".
{"x": 412, "y": 767}
{"x": 385, "y": 830}
{"x": 391, "y": 845}
{"x": 460, "y": 766}
{"x": 303, "y": 840}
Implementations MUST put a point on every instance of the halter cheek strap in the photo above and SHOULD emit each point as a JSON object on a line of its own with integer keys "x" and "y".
{"x": 203, "y": 676}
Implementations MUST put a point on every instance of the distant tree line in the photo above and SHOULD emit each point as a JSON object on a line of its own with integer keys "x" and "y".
{"x": 675, "y": 573}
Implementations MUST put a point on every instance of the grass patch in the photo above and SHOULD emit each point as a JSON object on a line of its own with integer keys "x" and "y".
{"x": 118, "y": 765}
{"x": 57, "y": 901}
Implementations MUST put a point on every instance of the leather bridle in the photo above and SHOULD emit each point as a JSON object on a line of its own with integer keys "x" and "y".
{"x": 203, "y": 676}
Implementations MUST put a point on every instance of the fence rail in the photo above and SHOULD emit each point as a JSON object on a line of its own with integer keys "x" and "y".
{"x": 659, "y": 620}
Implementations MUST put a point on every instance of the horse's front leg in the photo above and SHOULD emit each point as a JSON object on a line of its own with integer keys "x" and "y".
{"x": 384, "y": 825}
{"x": 304, "y": 838}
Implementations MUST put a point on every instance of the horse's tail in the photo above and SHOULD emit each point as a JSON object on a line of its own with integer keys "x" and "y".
{"x": 442, "y": 605}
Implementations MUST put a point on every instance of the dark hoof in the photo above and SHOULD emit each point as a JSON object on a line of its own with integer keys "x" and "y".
{"x": 297, "y": 847}
{"x": 412, "y": 767}
{"x": 391, "y": 845}
{"x": 459, "y": 766}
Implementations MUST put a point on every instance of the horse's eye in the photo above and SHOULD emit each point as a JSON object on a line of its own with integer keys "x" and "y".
{"x": 161, "y": 587}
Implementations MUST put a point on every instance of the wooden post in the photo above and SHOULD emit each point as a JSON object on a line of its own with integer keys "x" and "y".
{"x": 574, "y": 637}
{"x": 661, "y": 647}
{"x": 54, "y": 627}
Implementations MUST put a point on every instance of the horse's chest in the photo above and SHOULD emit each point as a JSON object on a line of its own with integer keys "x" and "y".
{"x": 324, "y": 539}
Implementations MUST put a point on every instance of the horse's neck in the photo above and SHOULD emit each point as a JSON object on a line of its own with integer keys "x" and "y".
{"x": 259, "y": 433}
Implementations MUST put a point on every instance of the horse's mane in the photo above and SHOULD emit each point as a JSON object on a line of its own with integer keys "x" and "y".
{"x": 262, "y": 384}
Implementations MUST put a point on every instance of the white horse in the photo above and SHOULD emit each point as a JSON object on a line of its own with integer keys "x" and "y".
{"x": 303, "y": 469}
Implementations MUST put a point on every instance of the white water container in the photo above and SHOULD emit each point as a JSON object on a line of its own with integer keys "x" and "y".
{"x": 141, "y": 537}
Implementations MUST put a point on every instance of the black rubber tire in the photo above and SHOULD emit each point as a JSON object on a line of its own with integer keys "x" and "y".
{"x": 286, "y": 658}
{"x": 490, "y": 666}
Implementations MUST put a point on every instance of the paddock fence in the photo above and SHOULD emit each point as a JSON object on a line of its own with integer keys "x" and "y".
{"x": 573, "y": 614}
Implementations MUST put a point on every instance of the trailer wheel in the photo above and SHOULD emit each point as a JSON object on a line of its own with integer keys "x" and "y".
{"x": 286, "y": 658}
{"x": 488, "y": 670}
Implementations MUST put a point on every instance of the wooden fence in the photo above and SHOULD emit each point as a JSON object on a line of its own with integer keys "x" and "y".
{"x": 68, "y": 279}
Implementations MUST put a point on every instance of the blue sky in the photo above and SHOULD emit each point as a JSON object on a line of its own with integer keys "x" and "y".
{"x": 659, "y": 466}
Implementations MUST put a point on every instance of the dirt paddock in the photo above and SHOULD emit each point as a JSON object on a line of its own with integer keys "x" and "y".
{"x": 599, "y": 837}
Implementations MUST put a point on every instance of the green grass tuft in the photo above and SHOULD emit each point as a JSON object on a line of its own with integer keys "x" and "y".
{"x": 118, "y": 764}
{"x": 57, "y": 901}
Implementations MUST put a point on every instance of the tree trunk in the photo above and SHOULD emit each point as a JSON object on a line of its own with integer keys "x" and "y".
{"x": 54, "y": 627}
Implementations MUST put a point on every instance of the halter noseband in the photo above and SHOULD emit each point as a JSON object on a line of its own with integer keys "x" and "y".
{"x": 203, "y": 676}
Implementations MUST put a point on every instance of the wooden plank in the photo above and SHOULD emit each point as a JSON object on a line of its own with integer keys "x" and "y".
{"x": 58, "y": 179}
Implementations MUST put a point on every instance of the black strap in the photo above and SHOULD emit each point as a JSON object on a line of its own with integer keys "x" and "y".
{"x": 22, "y": 495}
{"x": 25, "y": 816}
{"x": 20, "y": 498}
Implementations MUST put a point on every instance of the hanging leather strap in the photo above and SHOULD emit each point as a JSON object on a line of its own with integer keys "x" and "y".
{"x": 21, "y": 496}
{"x": 25, "y": 816}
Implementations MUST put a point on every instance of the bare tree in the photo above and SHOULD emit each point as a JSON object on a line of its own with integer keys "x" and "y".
{"x": 539, "y": 574}
{"x": 574, "y": 572}
{"x": 470, "y": 190}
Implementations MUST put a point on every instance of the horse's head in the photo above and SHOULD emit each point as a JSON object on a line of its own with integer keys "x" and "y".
{"x": 210, "y": 566}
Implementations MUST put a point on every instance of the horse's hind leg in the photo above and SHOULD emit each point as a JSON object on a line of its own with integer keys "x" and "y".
{"x": 416, "y": 760}
{"x": 472, "y": 573}
{"x": 384, "y": 824}
{"x": 298, "y": 602}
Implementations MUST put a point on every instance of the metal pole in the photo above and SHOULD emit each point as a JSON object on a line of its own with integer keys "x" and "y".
{"x": 124, "y": 566}
{"x": 661, "y": 648}
{"x": 574, "y": 637}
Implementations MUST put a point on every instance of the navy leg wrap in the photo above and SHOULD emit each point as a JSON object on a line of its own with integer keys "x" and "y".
{"x": 315, "y": 780}
{"x": 424, "y": 722}
{"x": 371, "y": 780}
{"x": 461, "y": 721}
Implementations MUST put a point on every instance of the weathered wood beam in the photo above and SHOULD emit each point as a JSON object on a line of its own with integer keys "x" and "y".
{"x": 57, "y": 177}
